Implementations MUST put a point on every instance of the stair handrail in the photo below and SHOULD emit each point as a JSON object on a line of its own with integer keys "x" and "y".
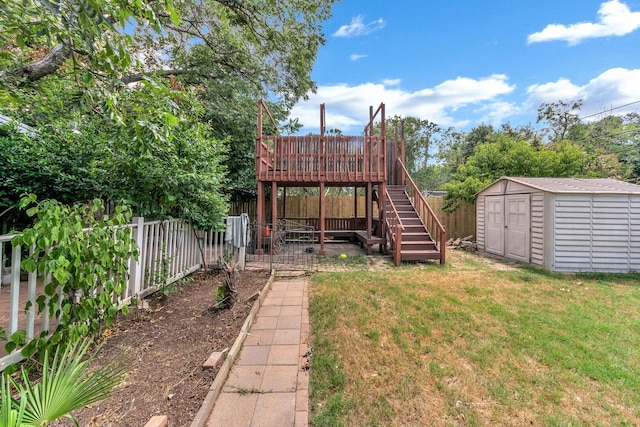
{"x": 394, "y": 226}
{"x": 433, "y": 224}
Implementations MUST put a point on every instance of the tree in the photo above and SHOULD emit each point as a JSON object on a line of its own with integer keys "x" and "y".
{"x": 456, "y": 147}
{"x": 271, "y": 45}
{"x": 628, "y": 146}
{"x": 421, "y": 138}
{"x": 511, "y": 157}
{"x": 41, "y": 37}
{"x": 167, "y": 166}
{"x": 612, "y": 145}
{"x": 137, "y": 86}
{"x": 560, "y": 116}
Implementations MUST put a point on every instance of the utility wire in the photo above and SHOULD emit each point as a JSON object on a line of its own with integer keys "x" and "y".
{"x": 609, "y": 110}
{"x": 594, "y": 137}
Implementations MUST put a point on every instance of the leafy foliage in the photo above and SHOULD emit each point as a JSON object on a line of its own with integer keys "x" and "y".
{"x": 510, "y": 157}
{"x": 560, "y": 116}
{"x": 66, "y": 385}
{"x": 232, "y": 52}
{"x": 87, "y": 260}
{"x": 422, "y": 139}
{"x": 163, "y": 163}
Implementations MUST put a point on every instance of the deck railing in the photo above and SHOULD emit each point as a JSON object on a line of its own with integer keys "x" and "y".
{"x": 429, "y": 218}
{"x": 168, "y": 251}
{"x": 334, "y": 224}
{"x": 315, "y": 158}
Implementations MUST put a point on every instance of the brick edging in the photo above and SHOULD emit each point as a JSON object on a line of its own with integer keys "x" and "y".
{"x": 216, "y": 387}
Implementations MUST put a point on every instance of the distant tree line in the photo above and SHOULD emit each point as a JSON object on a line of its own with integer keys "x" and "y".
{"x": 463, "y": 163}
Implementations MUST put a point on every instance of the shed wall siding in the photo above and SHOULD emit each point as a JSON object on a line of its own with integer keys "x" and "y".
{"x": 480, "y": 224}
{"x": 595, "y": 233}
{"x": 634, "y": 233}
{"x": 537, "y": 228}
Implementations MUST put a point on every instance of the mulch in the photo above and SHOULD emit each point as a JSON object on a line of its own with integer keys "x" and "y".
{"x": 166, "y": 345}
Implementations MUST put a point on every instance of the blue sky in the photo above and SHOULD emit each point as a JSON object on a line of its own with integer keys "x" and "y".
{"x": 461, "y": 63}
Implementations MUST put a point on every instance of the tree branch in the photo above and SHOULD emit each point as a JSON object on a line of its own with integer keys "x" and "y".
{"x": 49, "y": 64}
{"x": 163, "y": 73}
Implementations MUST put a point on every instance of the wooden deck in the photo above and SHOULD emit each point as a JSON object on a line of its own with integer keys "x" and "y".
{"x": 366, "y": 161}
{"x": 312, "y": 159}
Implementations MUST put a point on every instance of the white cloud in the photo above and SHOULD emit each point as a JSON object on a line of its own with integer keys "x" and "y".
{"x": 560, "y": 89}
{"x": 464, "y": 102}
{"x": 391, "y": 82}
{"x": 611, "y": 89}
{"x": 356, "y": 56}
{"x": 498, "y": 112}
{"x": 347, "y": 107}
{"x": 358, "y": 27}
{"x": 616, "y": 19}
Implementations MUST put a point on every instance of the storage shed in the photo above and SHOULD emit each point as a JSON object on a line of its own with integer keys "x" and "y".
{"x": 561, "y": 224}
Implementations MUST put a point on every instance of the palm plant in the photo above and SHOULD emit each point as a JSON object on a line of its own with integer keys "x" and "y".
{"x": 66, "y": 385}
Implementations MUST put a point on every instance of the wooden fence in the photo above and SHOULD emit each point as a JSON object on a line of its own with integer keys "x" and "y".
{"x": 460, "y": 223}
{"x": 168, "y": 251}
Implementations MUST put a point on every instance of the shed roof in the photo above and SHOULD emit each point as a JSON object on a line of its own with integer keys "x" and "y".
{"x": 577, "y": 185}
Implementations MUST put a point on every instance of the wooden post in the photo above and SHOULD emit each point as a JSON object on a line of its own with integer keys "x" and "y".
{"x": 261, "y": 218}
{"x": 402, "y": 153}
{"x": 284, "y": 203}
{"x": 370, "y": 121}
{"x": 322, "y": 252}
{"x": 260, "y": 214}
{"x": 274, "y": 208}
{"x": 383, "y": 143}
{"x": 355, "y": 208}
{"x": 369, "y": 208}
{"x": 259, "y": 140}
{"x": 395, "y": 155}
{"x": 382, "y": 188}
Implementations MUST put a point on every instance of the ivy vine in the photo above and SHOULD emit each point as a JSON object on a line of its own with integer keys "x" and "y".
{"x": 86, "y": 254}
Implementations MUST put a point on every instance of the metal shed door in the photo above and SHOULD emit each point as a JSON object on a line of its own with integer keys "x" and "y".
{"x": 494, "y": 223}
{"x": 517, "y": 226}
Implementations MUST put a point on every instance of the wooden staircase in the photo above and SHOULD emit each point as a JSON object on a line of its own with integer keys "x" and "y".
{"x": 416, "y": 244}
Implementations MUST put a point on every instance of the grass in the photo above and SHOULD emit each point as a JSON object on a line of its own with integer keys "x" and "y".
{"x": 470, "y": 344}
{"x": 344, "y": 260}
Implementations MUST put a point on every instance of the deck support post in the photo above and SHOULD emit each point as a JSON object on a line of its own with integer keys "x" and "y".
{"x": 369, "y": 208}
{"x": 382, "y": 188}
{"x": 355, "y": 208}
{"x": 321, "y": 207}
{"x": 284, "y": 203}
{"x": 261, "y": 218}
{"x": 274, "y": 207}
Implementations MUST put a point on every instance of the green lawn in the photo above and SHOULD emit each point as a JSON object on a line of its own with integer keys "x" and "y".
{"x": 472, "y": 344}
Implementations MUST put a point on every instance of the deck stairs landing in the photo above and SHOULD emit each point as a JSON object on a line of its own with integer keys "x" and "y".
{"x": 417, "y": 244}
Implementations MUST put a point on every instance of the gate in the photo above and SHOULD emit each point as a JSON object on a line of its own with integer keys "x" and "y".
{"x": 289, "y": 245}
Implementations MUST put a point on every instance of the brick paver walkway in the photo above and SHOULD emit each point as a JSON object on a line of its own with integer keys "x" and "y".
{"x": 268, "y": 385}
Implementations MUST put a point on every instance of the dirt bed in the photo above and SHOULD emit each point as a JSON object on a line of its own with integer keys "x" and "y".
{"x": 166, "y": 345}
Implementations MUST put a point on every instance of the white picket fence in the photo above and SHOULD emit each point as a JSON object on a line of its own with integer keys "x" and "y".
{"x": 168, "y": 251}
